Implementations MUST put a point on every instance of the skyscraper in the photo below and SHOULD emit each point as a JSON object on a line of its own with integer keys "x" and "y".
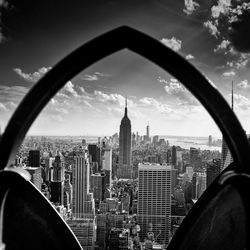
{"x": 85, "y": 231}
{"x": 125, "y": 149}
{"x": 82, "y": 200}
{"x": 147, "y": 132}
{"x": 226, "y": 157}
{"x": 213, "y": 170}
{"x": 34, "y": 158}
{"x": 154, "y": 200}
{"x": 58, "y": 168}
{"x": 210, "y": 140}
{"x": 173, "y": 156}
{"x": 195, "y": 160}
{"x": 57, "y": 179}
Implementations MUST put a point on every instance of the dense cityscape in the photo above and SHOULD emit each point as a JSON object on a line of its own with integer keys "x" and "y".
{"x": 115, "y": 172}
{"x": 126, "y": 191}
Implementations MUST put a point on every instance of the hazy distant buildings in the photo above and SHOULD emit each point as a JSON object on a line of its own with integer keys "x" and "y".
{"x": 125, "y": 148}
{"x": 154, "y": 200}
{"x": 210, "y": 140}
{"x": 155, "y": 140}
{"x": 147, "y": 133}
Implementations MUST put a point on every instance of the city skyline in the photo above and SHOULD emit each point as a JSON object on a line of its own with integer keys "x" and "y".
{"x": 30, "y": 46}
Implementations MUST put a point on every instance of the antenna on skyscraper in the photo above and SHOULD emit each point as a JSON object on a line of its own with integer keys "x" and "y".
{"x": 232, "y": 95}
{"x": 126, "y": 104}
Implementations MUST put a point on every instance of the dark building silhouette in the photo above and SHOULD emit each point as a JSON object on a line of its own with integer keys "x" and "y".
{"x": 58, "y": 169}
{"x": 195, "y": 160}
{"x": 56, "y": 192}
{"x": 57, "y": 180}
{"x": 213, "y": 170}
{"x": 194, "y": 191}
{"x": 125, "y": 149}
{"x": 173, "y": 156}
{"x": 34, "y": 158}
{"x": 95, "y": 153}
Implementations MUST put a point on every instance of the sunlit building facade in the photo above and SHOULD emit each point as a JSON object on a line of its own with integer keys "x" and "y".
{"x": 83, "y": 202}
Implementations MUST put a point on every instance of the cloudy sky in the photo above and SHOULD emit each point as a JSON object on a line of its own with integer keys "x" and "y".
{"x": 35, "y": 35}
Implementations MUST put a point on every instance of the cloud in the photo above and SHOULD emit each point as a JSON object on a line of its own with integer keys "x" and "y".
{"x": 115, "y": 99}
{"x": 174, "y": 88}
{"x": 243, "y": 84}
{"x": 228, "y": 73}
{"x": 10, "y": 97}
{"x": 2, "y": 107}
{"x": 102, "y": 74}
{"x": 158, "y": 106}
{"x": 87, "y": 104}
{"x": 223, "y": 7}
{"x": 229, "y": 24}
{"x": 32, "y": 77}
{"x": 241, "y": 61}
{"x": 239, "y": 29}
{"x": 190, "y": 6}
{"x": 12, "y": 94}
{"x": 90, "y": 78}
{"x": 95, "y": 77}
{"x": 161, "y": 80}
{"x": 69, "y": 88}
{"x": 222, "y": 46}
{"x": 212, "y": 28}
{"x": 189, "y": 57}
{"x": 241, "y": 101}
{"x": 172, "y": 43}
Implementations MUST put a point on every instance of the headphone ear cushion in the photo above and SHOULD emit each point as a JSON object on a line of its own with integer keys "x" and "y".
{"x": 218, "y": 220}
{"x": 29, "y": 220}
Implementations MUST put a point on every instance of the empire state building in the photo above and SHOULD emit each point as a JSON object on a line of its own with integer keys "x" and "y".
{"x": 125, "y": 150}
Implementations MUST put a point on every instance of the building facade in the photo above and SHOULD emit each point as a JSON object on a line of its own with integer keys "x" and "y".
{"x": 213, "y": 170}
{"x": 34, "y": 158}
{"x": 125, "y": 148}
{"x": 83, "y": 202}
{"x": 154, "y": 200}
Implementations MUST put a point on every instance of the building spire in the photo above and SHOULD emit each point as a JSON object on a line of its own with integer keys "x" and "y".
{"x": 126, "y": 106}
{"x": 232, "y": 95}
